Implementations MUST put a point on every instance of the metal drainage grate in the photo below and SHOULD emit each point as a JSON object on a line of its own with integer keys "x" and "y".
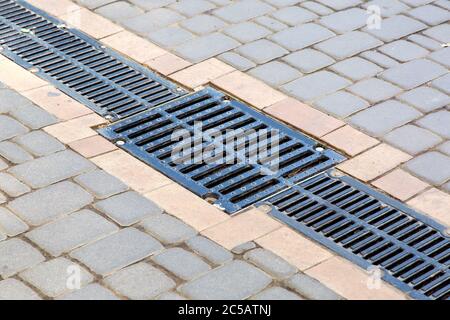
{"x": 148, "y": 136}
{"x": 370, "y": 229}
{"x": 78, "y": 65}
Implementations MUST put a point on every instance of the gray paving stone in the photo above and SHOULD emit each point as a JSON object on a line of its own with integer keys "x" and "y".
{"x": 46, "y": 204}
{"x": 412, "y": 139}
{"x": 416, "y": 3}
{"x": 237, "y": 61}
{"x": 140, "y": 282}
{"x": 275, "y": 73}
{"x": 382, "y": 118}
{"x": 247, "y": 31}
{"x": 12, "y": 186}
{"x": 50, "y": 169}
{"x": 10, "y": 128}
{"x": 445, "y": 148}
{"x": 442, "y": 83}
{"x": 209, "y": 250}
{"x": 168, "y": 229}
{"x": 152, "y": 20}
{"x": 71, "y": 232}
{"x": 206, "y": 47}
{"x": 10, "y": 224}
{"x": 101, "y": 184}
{"x": 441, "y": 56}
{"x": 311, "y": 288}
{"x": 283, "y": 3}
{"x": 271, "y": 23}
{"x": 270, "y": 263}
{"x": 396, "y": 27}
{"x": 317, "y": 8}
{"x": 33, "y": 117}
{"x": 302, "y": 36}
{"x": 170, "y": 36}
{"x": 425, "y": 42}
{"x": 374, "y": 90}
{"x": 440, "y": 33}
{"x": 309, "y": 60}
{"x": 203, "y": 24}
{"x": 12, "y": 289}
{"x": 425, "y": 99}
{"x": 243, "y": 10}
{"x": 388, "y": 7}
{"x": 429, "y": 14}
{"x": 92, "y": 291}
{"x": 244, "y": 247}
{"x": 437, "y": 122}
{"x": 261, "y": 51}
{"x": 276, "y": 293}
{"x": 171, "y": 296}
{"x": 348, "y": 44}
{"x": 403, "y": 50}
{"x": 356, "y": 68}
{"x": 446, "y": 187}
{"x": 192, "y": 7}
{"x": 339, "y": 5}
{"x": 152, "y": 4}
{"x": 52, "y": 277}
{"x": 443, "y": 3}
{"x": 39, "y": 143}
{"x": 119, "y": 11}
{"x": 294, "y": 15}
{"x": 128, "y": 208}
{"x": 10, "y": 100}
{"x": 380, "y": 59}
{"x": 3, "y": 165}
{"x": 181, "y": 263}
{"x": 316, "y": 85}
{"x": 117, "y": 251}
{"x": 414, "y": 73}
{"x": 346, "y": 20}
{"x": 341, "y": 104}
{"x": 92, "y": 4}
{"x": 16, "y": 255}
{"x": 3, "y": 199}
{"x": 13, "y": 153}
{"x": 433, "y": 167}
{"x": 234, "y": 281}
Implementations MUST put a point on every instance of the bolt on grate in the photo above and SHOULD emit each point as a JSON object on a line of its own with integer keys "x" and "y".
{"x": 235, "y": 178}
{"x": 78, "y": 65}
{"x": 371, "y": 230}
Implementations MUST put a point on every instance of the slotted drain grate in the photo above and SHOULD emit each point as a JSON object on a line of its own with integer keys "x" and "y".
{"x": 78, "y": 65}
{"x": 235, "y": 180}
{"x": 372, "y": 230}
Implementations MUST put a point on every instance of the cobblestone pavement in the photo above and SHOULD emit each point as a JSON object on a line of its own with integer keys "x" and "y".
{"x": 60, "y": 217}
{"x": 392, "y": 82}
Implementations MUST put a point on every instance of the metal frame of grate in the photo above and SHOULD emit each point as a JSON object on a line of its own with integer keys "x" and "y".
{"x": 371, "y": 230}
{"x": 237, "y": 182}
{"x": 106, "y": 82}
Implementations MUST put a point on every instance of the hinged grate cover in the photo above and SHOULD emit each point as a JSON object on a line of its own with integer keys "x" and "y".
{"x": 236, "y": 184}
{"x": 78, "y": 65}
{"x": 370, "y": 229}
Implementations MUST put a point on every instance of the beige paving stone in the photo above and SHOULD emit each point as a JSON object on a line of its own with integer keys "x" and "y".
{"x": 242, "y": 228}
{"x": 75, "y": 129}
{"x": 185, "y": 205}
{"x": 249, "y": 89}
{"x": 91, "y": 23}
{"x": 131, "y": 171}
{"x": 92, "y": 146}
{"x": 202, "y": 73}
{"x": 18, "y": 78}
{"x": 57, "y": 103}
{"x": 400, "y": 184}
{"x": 434, "y": 203}
{"x": 294, "y": 248}
{"x": 304, "y": 117}
{"x": 167, "y": 63}
{"x": 55, "y": 7}
{"x": 374, "y": 162}
{"x": 350, "y": 140}
{"x": 133, "y": 46}
{"x": 351, "y": 282}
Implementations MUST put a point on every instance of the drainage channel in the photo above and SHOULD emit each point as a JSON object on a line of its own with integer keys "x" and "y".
{"x": 185, "y": 136}
{"x": 104, "y": 81}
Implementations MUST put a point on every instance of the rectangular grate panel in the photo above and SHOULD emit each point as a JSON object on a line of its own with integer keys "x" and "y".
{"x": 235, "y": 184}
{"x": 370, "y": 229}
{"x": 78, "y": 65}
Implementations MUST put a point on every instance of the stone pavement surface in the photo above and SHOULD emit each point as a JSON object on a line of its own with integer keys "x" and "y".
{"x": 392, "y": 82}
{"x": 64, "y": 222}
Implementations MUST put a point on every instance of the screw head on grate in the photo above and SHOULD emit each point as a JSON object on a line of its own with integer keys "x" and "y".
{"x": 336, "y": 174}
{"x": 320, "y": 149}
{"x": 25, "y": 30}
{"x": 447, "y": 232}
{"x": 61, "y": 26}
{"x": 211, "y": 198}
{"x": 109, "y": 117}
{"x": 34, "y": 70}
{"x": 120, "y": 142}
